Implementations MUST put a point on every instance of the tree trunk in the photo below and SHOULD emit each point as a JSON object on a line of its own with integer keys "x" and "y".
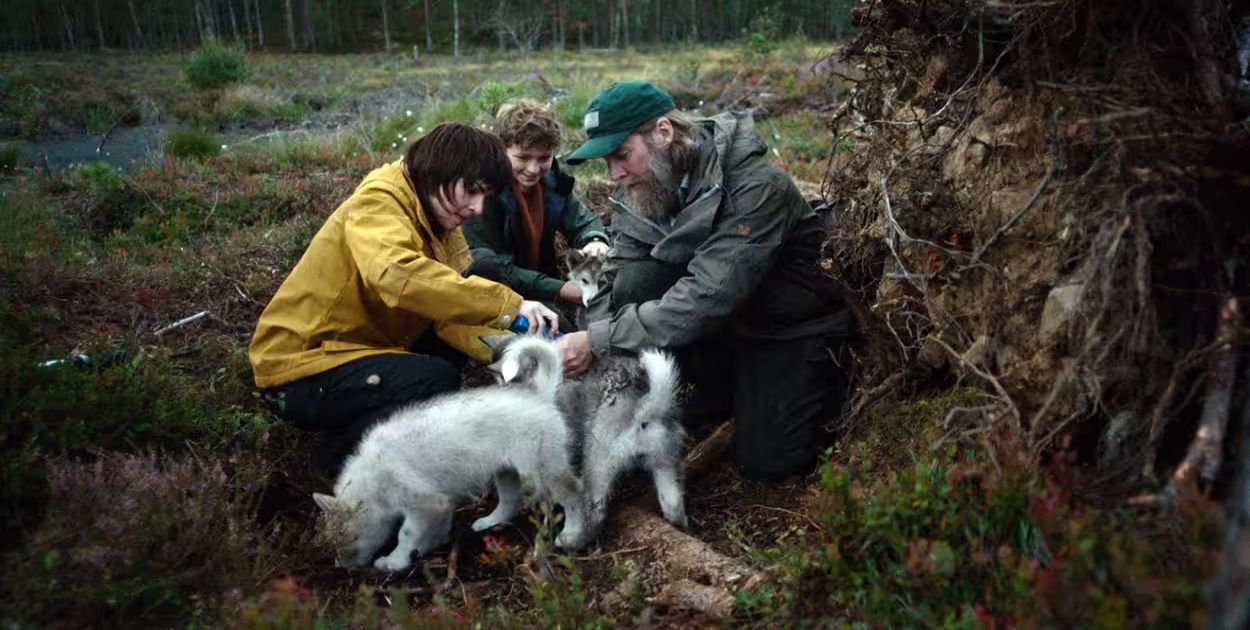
{"x": 69, "y": 28}
{"x": 234, "y": 24}
{"x": 247, "y": 22}
{"x": 134, "y": 19}
{"x": 386, "y": 27}
{"x": 290, "y": 25}
{"x": 310, "y": 28}
{"x": 260, "y": 26}
{"x": 99, "y": 27}
{"x": 455, "y": 28}
{"x": 429, "y": 35}
{"x": 199, "y": 19}
{"x": 694, "y": 22}
{"x": 625, "y": 22}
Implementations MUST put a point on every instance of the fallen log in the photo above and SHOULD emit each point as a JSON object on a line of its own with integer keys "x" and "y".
{"x": 708, "y": 577}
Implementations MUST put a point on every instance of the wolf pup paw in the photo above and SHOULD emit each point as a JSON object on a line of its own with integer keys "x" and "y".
{"x": 677, "y": 516}
{"x": 387, "y": 563}
{"x": 569, "y": 540}
{"x": 487, "y": 522}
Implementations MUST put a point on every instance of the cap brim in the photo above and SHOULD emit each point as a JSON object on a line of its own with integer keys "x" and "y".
{"x": 597, "y": 147}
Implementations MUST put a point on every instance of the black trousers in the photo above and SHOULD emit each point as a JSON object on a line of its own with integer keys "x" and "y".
{"x": 343, "y": 402}
{"x": 783, "y": 390}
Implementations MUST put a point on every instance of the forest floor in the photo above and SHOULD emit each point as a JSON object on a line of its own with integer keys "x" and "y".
{"x": 151, "y": 484}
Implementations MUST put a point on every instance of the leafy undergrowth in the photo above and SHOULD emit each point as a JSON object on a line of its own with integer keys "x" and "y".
{"x": 968, "y": 538}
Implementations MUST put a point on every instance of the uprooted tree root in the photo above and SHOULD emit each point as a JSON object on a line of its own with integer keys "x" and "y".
{"x": 1046, "y": 199}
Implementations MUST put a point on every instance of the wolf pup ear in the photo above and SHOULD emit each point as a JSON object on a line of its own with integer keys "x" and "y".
{"x": 509, "y": 369}
{"x": 326, "y": 502}
{"x": 573, "y": 257}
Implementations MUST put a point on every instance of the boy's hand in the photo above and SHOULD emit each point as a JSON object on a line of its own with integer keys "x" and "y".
{"x": 578, "y": 357}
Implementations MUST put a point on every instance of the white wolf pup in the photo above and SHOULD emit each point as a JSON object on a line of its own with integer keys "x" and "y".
{"x": 420, "y": 461}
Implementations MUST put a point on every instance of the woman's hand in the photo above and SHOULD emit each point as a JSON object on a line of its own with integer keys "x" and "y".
{"x": 570, "y": 293}
{"x": 578, "y": 357}
{"x": 595, "y": 248}
{"x": 542, "y": 319}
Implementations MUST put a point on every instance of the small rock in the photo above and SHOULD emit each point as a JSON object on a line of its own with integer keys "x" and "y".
{"x": 1062, "y": 304}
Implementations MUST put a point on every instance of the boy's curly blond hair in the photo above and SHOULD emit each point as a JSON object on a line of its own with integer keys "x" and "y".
{"x": 528, "y": 125}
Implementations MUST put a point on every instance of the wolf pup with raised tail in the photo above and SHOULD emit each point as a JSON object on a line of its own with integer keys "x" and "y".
{"x": 626, "y": 414}
{"x": 421, "y": 461}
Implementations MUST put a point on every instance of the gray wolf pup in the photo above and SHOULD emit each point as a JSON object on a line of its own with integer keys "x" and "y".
{"x": 625, "y": 413}
{"x": 632, "y": 421}
{"x": 587, "y": 273}
{"x": 420, "y": 461}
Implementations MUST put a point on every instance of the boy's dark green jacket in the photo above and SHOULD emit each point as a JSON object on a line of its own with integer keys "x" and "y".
{"x": 498, "y": 230}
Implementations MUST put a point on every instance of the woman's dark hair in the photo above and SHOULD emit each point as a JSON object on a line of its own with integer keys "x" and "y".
{"x": 453, "y": 151}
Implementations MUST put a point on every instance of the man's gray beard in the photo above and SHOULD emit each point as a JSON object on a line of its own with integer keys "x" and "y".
{"x": 656, "y": 197}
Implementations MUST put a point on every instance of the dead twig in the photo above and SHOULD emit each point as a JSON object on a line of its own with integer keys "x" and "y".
{"x": 1203, "y": 456}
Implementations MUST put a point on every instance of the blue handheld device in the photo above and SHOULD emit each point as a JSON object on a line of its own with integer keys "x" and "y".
{"x": 521, "y": 326}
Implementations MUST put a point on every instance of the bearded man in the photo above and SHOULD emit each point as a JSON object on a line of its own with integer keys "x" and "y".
{"x": 715, "y": 257}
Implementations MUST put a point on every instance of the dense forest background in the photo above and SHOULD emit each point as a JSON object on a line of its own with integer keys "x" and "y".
{"x": 427, "y": 25}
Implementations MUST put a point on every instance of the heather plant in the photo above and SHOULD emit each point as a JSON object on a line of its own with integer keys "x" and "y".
{"x": 215, "y": 64}
{"x": 129, "y": 537}
{"x": 391, "y": 133}
{"x": 101, "y": 198}
{"x": 192, "y": 144}
{"x": 76, "y": 409}
{"x": 956, "y": 541}
{"x": 9, "y": 154}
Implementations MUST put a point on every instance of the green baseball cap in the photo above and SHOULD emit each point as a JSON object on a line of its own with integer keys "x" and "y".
{"x": 615, "y": 113}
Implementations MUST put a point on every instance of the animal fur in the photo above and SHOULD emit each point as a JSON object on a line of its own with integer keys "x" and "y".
{"x": 587, "y": 273}
{"x": 625, "y": 412}
{"x": 632, "y": 421}
{"x": 423, "y": 459}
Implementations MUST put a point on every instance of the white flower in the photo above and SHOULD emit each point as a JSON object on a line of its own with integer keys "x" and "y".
{"x": 776, "y": 152}
{"x": 393, "y": 145}
{"x": 420, "y": 129}
{"x": 224, "y": 147}
{"x": 408, "y": 113}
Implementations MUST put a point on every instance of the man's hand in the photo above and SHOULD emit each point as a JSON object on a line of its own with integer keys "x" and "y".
{"x": 595, "y": 248}
{"x": 542, "y": 319}
{"x": 570, "y": 293}
{"x": 575, "y": 347}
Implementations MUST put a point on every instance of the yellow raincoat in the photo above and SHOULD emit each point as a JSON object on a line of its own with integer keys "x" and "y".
{"x": 374, "y": 279}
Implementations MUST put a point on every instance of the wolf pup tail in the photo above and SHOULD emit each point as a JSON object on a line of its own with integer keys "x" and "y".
{"x": 534, "y": 361}
{"x": 660, "y": 401}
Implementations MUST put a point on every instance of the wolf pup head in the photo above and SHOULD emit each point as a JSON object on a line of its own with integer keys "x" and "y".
{"x": 585, "y": 271}
{"x": 351, "y": 530}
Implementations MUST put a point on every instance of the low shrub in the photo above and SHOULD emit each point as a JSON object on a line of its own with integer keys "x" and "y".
{"x": 954, "y": 541}
{"x": 133, "y": 537}
{"x": 215, "y": 64}
{"x": 192, "y": 144}
{"x": 10, "y": 153}
{"x": 104, "y": 200}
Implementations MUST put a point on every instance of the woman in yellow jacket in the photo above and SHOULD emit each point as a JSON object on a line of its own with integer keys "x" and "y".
{"x": 377, "y": 312}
